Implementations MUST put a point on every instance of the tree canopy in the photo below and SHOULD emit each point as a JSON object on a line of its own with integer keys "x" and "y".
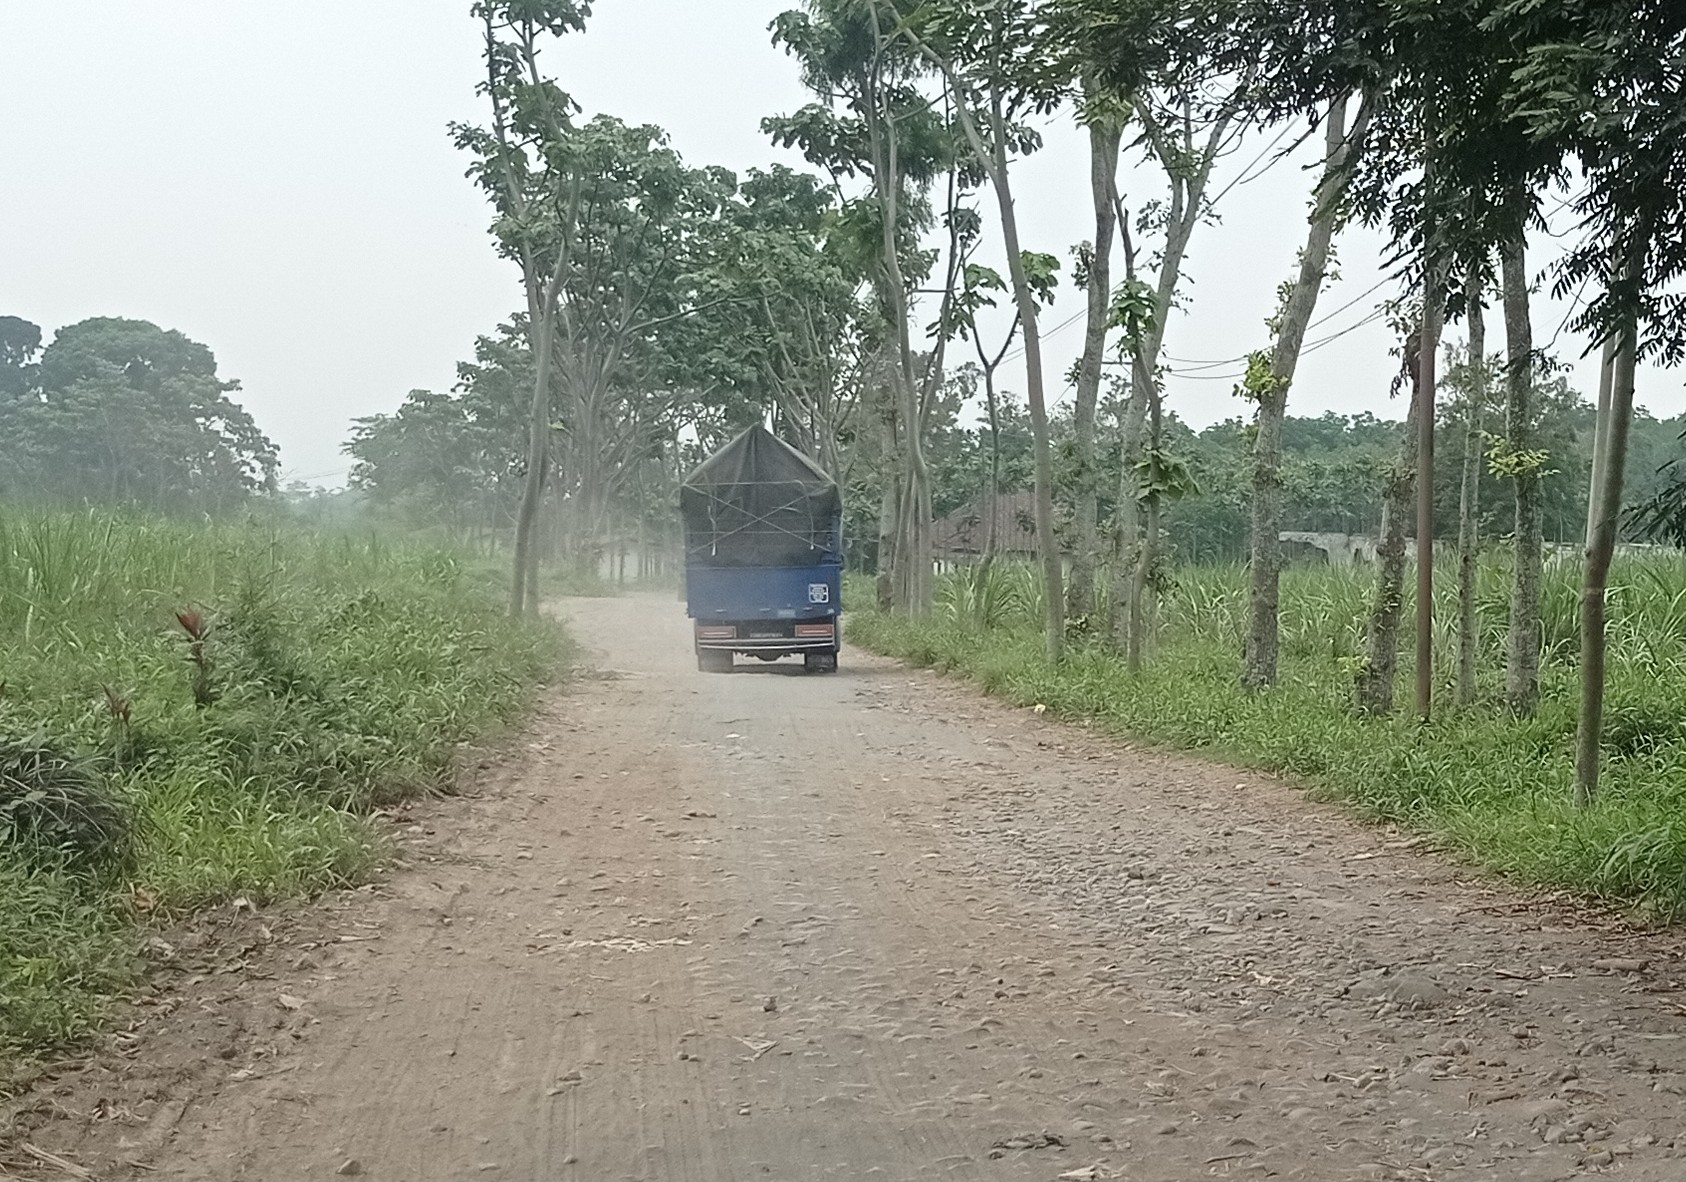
{"x": 125, "y": 412}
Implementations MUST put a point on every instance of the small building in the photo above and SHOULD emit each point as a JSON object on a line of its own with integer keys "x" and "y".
{"x": 1318, "y": 549}
{"x": 960, "y": 538}
{"x": 1332, "y": 548}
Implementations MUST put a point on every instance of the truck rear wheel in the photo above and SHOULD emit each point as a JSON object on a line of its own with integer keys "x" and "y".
{"x": 820, "y": 662}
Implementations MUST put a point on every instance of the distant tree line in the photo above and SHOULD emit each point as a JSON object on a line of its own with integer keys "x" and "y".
{"x": 1333, "y": 470}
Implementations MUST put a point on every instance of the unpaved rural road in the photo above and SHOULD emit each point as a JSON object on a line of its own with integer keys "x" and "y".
{"x": 872, "y": 926}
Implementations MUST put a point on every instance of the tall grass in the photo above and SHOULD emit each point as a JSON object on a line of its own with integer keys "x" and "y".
{"x": 1491, "y": 785}
{"x": 329, "y": 675}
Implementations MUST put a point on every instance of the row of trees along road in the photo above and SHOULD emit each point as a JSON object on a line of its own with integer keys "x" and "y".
{"x": 668, "y": 305}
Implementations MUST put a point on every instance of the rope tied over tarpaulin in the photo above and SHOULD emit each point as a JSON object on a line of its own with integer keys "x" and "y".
{"x": 760, "y": 502}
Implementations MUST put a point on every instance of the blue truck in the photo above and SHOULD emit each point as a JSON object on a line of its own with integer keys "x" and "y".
{"x": 763, "y": 555}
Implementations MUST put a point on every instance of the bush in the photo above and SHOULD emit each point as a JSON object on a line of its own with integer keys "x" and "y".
{"x": 198, "y": 712}
{"x": 53, "y": 809}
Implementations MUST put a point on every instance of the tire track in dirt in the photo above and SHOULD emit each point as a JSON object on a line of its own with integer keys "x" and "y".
{"x": 870, "y": 925}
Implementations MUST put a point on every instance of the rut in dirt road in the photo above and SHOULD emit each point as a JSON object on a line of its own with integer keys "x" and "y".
{"x": 870, "y": 925}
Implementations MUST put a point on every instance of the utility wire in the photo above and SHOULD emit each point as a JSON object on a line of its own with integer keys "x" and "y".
{"x": 1575, "y": 306}
{"x": 1245, "y": 179}
{"x": 1311, "y": 347}
{"x": 1190, "y": 363}
{"x": 1052, "y": 332}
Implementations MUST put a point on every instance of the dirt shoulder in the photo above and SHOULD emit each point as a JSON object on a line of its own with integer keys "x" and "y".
{"x": 872, "y": 925}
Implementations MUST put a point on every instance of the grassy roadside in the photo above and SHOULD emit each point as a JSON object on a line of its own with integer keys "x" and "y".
{"x": 1495, "y": 787}
{"x": 195, "y": 713}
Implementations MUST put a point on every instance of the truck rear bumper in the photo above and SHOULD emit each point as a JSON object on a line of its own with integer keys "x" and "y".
{"x": 768, "y": 636}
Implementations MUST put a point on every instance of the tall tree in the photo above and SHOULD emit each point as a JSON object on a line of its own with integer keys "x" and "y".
{"x": 1186, "y": 139}
{"x": 800, "y": 341}
{"x": 436, "y": 462}
{"x": 1373, "y": 683}
{"x": 20, "y": 341}
{"x": 529, "y": 187}
{"x": 607, "y": 224}
{"x": 123, "y": 411}
{"x": 977, "y": 292}
{"x": 1427, "y": 387}
{"x": 1521, "y": 459}
{"x": 1269, "y": 381}
{"x": 873, "y": 120}
{"x": 1104, "y": 119}
{"x": 989, "y": 56}
{"x": 1469, "y": 489}
{"x": 1603, "y": 511}
{"x": 640, "y": 259}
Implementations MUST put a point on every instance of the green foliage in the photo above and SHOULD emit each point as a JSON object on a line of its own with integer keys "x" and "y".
{"x": 1260, "y": 383}
{"x": 1042, "y": 274}
{"x": 1662, "y": 514}
{"x": 1504, "y": 460}
{"x": 621, "y": 245}
{"x": 450, "y": 461}
{"x": 65, "y": 950}
{"x": 1484, "y": 782}
{"x": 1164, "y": 475}
{"x": 1516, "y": 99}
{"x": 124, "y": 412}
{"x": 53, "y": 808}
{"x": 1135, "y": 312}
{"x": 868, "y": 92}
{"x": 338, "y": 675}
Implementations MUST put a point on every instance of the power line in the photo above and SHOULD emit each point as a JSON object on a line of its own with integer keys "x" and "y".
{"x": 1574, "y": 306}
{"x": 1381, "y": 283}
{"x": 1052, "y": 332}
{"x": 1245, "y": 179}
{"x": 1311, "y": 347}
{"x": 1191, "y": 364}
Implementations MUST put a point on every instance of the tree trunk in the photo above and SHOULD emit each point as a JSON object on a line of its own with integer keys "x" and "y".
{"x": 922, "y": 593}
{"x": 888, "y": 501}
{"x": 1264, "y": 566}
{"x": 524, "y": 584}
{"x": 1047, "y": 542}
{"x": 913, "y": 545}
{"x": 1128, "y": 533}
{"x": 1606, "y": 507}
{"x": 1373, "y": 685}
{"x": 1258, "y": 666}
{"x": 1522, "y": 639}
{"x": 1427, "y": 355}
{"x": 1469, "y": 494}
{"x": 1104, "y": 139}
{"x": 1190, "y": 170}
{"x": 1600, "y": 432}
{"x": 1147, "y": 555}
{"x": 986, "y": 563}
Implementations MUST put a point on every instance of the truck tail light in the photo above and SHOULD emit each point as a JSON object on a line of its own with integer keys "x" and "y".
{"x": 813, "y": 630}
{"x": 717, "y": 632}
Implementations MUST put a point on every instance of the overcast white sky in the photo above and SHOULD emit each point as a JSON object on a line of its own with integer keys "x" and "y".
{"x": 276, "y": 181}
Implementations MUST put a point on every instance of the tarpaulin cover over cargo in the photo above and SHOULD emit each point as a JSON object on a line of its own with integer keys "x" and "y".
{"x": 760, "y": 502}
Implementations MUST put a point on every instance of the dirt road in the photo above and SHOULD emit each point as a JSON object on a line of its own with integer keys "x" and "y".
{"x": 872, "y": 926}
